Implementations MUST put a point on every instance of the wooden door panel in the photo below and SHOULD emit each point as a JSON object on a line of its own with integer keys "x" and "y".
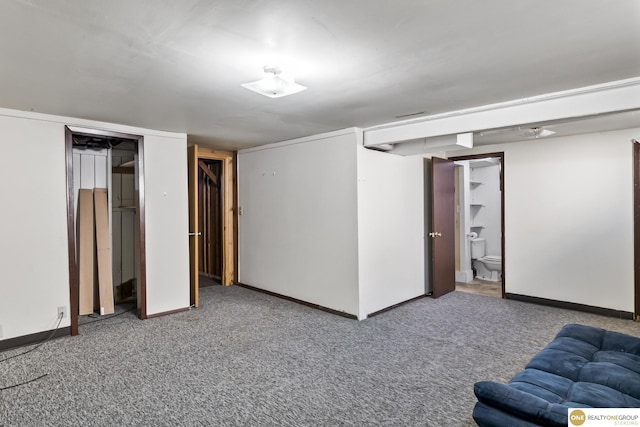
{"x": 442, "y": 233}
{"x": 228, "y": 264}
{"x": 636, "y": 228}
{"x": 192, "y": 157}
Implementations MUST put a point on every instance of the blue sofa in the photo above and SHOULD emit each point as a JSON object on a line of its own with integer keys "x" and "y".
{"x": 582, "y": 367}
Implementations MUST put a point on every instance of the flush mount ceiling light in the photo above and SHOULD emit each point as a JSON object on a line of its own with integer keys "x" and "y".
{"x": 274, "y": 84}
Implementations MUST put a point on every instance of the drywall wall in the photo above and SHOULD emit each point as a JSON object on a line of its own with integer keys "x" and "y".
{"x": 34, "y": 246}
{"x": 167, "y": 223}
{"x": 464, "y": 273}
{"x": 489, "y": 215}
{"x": 298, "y": 226}
{"x": 390, "y": 229}
{"x": 569, "y": 218}
{"x": 33, "y": 230}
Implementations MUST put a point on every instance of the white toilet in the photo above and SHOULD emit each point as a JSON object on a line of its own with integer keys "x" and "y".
{"x": 488, "y": 267}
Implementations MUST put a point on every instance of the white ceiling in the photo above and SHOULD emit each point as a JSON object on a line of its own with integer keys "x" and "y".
{"x": 177, "y": 65}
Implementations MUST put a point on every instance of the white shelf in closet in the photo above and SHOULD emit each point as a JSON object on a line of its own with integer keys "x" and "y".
{"x": 477, "y": 226}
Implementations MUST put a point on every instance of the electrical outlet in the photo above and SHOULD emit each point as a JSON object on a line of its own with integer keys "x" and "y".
{"x": 62, "y": 310}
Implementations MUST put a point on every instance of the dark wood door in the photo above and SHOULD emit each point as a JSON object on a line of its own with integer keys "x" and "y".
{"x": 442, "y": 227}
{"x": 636, "y": 228}
{"x": 194, "y": 227}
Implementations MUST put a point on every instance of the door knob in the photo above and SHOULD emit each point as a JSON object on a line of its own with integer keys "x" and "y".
{"x": 435, "y": 234}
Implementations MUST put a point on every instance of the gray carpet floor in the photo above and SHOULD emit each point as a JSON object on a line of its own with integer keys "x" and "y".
{"x": 249, "y": 359}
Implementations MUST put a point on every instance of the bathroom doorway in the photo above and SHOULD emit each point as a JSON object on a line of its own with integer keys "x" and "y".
{"x": 479, "y": 224}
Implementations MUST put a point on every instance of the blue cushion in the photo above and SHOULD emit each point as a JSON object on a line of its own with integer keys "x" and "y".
{"x": 582, "y": 367}
{"x": 626, "y": 360}
{"x": 588, "y": 334}
{"x": 520, "y": 404}
{"x": 614, "y": 376}
{"x": 489, "y": 416}
{"x": 615, "y": 341}
{"x": 599, "y": 396}
{"x": 558, "y": 362}
{"x": 553, "y": 388}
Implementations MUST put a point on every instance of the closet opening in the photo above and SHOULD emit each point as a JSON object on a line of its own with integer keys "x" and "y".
{"x": 105, "y": 220}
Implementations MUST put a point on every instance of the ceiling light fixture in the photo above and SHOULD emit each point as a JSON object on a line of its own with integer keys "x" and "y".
{"x": 274, "y": 84}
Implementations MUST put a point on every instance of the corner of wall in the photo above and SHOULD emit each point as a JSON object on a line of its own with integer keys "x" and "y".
{"x": 390, "y": 229}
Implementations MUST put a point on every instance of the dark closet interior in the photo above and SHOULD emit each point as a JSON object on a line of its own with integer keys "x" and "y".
{"x": 210, "y": 219}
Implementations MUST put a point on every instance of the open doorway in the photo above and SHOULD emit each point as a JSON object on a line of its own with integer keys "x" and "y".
{"x": 479, "y": 224}
{"x": 211, "y": 219}
{"x": 105, "y": 220}
{"x": 210, "y": 198}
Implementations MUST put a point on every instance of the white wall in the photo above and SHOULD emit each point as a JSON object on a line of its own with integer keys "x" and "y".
{"x": 167, "y": 223}
{"x": 33, "y": 230}
{"x": 298, "y": 228}
{"x": 465, "y": 273}
{"x": 569, "y": 218}
{"x": 488, "y": 193}
{"x": 390, "y": 229}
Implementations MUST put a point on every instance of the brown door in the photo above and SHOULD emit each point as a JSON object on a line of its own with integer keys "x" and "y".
{"x": 194, "y": 240}
{"x": 636, "y": 228}
{"x": 442, "y": 227}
